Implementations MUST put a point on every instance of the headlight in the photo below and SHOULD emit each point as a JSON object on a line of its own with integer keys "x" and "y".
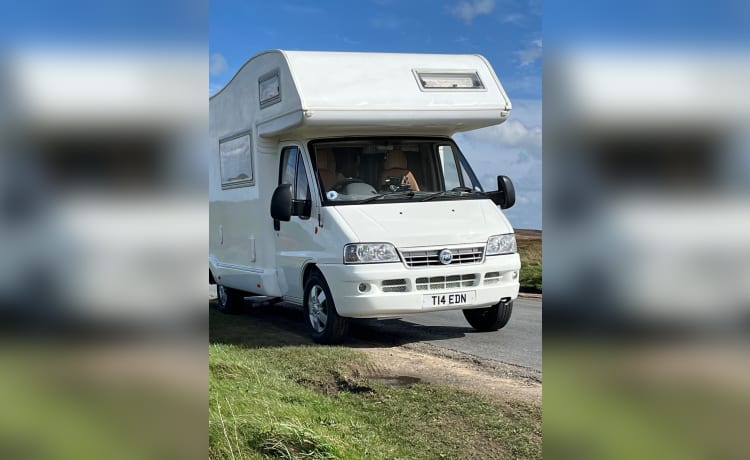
{"x": 370, "y": 253}
{"x": 501, "y": 244}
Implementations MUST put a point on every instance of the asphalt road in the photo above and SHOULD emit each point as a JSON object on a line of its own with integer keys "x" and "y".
{"x": 518, "y": 343}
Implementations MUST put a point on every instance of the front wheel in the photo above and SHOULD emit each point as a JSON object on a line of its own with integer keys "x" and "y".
{"x": 230, "y": 300}
{"x": 326, "y": 326}
{"x": 490, "y": 318}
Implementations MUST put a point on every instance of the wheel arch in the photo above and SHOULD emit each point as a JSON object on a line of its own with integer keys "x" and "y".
{"x": 307, "y": 270}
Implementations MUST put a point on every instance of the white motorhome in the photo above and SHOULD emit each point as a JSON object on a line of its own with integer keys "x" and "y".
{"x": 335, "y": 185}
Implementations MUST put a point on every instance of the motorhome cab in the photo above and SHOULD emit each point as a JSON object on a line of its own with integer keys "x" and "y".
{"x": 335, "y": 185}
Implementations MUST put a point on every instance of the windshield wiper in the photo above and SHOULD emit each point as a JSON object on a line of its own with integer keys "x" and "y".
{"x": 409, "y": 193}
{"x": 458, "y": 191}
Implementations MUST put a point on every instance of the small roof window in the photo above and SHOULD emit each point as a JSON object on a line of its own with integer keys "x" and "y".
{"x": 269, "y": 89}
{"x": 448, "y": 80}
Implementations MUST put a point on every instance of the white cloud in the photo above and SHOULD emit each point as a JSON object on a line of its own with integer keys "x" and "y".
{"x": 512, "y": 133}
{"x": 513, "y": 149}
{"x": 522, "y": 131}
{"x": 527, "y": 111}
{"x": 513, "y": 18}
{"x": 529, "y": 55}
{"x": 524, "y": 84}
{"x": 217, "y": 65}
{"x": 468, "y": 10}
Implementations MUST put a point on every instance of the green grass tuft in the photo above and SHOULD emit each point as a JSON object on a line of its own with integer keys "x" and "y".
{"x": 530, "y": 251}
{"x": 310, "y": 402}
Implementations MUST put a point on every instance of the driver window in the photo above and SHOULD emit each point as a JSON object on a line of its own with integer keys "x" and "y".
{"x": 288, "y": 165}
{"x": 292, "y": 171}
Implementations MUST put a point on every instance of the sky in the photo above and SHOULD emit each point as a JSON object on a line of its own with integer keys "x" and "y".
{"x": 507, "y": 33}
{"x": 648, "y": 23}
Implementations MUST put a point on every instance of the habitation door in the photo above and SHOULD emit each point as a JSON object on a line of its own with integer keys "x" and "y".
{"x": 294, "y": 238}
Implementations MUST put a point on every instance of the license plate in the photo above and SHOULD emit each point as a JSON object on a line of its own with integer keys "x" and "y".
{"x": 449, "y": 299}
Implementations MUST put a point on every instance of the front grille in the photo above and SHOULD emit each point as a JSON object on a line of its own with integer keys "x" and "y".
{"x": 397, "y": 285}
{"x": 431, "y": 257}
{"x": 433, "y": 283}
{"x": 492, "y": 278}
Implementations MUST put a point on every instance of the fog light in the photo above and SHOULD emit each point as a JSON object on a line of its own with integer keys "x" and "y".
{"x": 363, "y": 287}
{"x": 514, "y": 275}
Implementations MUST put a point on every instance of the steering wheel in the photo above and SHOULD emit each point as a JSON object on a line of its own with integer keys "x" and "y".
{"x": 353, "y": 186}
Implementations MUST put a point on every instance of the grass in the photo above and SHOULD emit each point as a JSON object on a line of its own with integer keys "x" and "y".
{"x": 56, "y": 404}
{"x": 608, "y": 401}
{"x": 530, "y": 250}
{"x": 303, "y": 401}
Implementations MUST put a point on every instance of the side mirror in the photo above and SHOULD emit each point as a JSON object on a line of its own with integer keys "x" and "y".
{"x": 505, "y": 196}
{"x": 281, "y": 204}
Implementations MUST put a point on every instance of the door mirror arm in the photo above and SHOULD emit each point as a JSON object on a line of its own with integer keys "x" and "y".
{"x": 302, "y": 208}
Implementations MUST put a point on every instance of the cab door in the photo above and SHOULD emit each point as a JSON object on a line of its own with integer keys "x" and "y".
{"x": 294, "y": 238}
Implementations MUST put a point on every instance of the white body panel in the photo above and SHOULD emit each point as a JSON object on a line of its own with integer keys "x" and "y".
{"x": 326, "y": 95}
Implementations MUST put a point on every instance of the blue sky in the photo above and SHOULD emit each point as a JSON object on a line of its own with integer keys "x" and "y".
{"x": 508, "y": 33}
{"x": 673, "y": 23}
{"x": 111, "y": 23}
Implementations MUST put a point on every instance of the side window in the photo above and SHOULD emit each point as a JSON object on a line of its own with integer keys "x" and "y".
{"x": 292, "y": 171}
{"x": 301, "y": 188}
{"x": 236, "y": 161}
{"x": 269, "y": 89}
{"x": 449, "y": 168}
{"x": 470, "y": 180}
{"x": 288, "y": 165}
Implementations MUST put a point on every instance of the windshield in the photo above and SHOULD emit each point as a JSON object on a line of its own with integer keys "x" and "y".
{"x": 374, "y": 170}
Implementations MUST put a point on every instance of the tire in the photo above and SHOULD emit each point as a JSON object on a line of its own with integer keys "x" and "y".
{"x": 490, "y": 318}
{"x": 324, "y": 323}
{"x": 229, "y": 300}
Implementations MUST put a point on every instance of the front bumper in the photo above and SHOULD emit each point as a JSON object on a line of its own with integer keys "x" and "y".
{"x": 394, "y": 290}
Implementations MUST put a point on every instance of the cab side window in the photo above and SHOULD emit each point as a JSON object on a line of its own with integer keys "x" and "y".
{"x": 301, "y": 188}
{"x": 288, "y": 170}
{"x": 449, "y": 169}
{"x": 292, "y": 171}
